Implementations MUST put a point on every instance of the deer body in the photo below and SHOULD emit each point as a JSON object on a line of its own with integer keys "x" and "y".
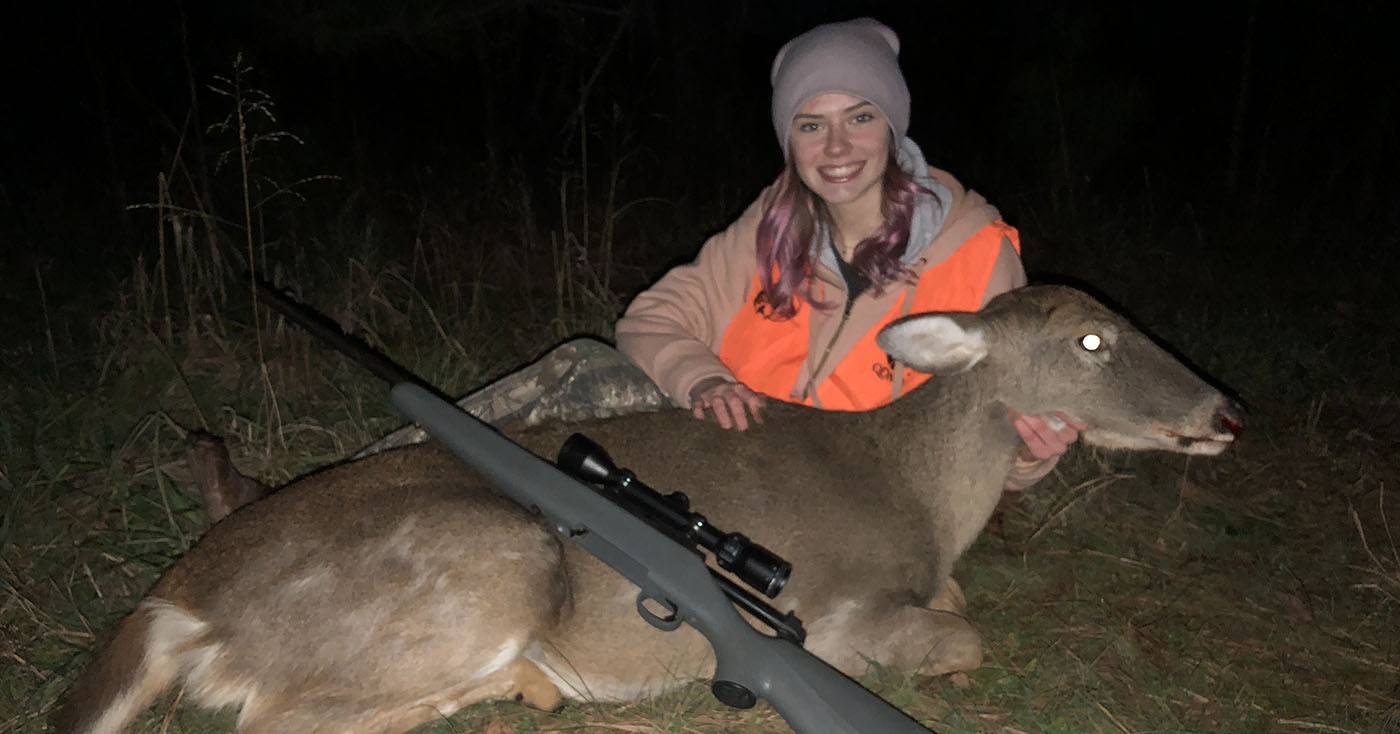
{"x": 381, "y": 594}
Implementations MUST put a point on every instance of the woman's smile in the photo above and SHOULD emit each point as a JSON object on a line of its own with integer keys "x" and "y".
{"x": 840, "y": 174}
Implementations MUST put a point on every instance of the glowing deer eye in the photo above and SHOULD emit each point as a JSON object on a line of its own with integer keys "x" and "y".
{"x": 1090, "y": 342}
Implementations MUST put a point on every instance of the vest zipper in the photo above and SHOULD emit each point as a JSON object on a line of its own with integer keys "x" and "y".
{"x": 853, "y": 289}
{"x": 812, "y": 379}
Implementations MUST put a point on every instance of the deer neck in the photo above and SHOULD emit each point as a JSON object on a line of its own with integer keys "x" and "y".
{"x": 954, "y": 445}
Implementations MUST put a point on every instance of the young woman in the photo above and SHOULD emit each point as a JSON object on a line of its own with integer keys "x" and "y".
{"x": 858, "y": 230}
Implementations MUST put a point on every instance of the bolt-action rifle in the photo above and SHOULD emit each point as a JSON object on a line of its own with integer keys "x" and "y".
{"x": 650, "y": 539}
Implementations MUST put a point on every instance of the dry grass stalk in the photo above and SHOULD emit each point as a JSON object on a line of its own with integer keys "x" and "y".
{"x": 1386, "y": 571}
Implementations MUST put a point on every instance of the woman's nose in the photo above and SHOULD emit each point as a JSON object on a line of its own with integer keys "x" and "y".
{"x": 837, "y": 142}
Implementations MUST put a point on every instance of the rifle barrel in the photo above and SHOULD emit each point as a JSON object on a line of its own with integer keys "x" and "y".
{"x": 323, "y": 328}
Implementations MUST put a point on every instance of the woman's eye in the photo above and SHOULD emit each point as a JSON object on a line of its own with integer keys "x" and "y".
{"x": 864, "y": 117}
{"x": 807, "y": 127}
{"x": 1091, "y": 342}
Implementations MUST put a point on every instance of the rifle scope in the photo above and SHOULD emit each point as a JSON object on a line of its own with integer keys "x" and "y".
{"x": 753, "y": 564}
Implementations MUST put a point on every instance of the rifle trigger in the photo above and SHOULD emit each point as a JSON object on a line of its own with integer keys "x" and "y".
{"x": 667, "y": 622}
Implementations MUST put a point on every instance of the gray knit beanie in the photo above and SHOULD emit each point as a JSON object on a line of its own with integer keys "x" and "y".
{"x": 858, "y": 57}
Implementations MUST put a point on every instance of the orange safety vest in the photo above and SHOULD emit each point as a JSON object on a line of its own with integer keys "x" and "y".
{"x": 767, "y": 355}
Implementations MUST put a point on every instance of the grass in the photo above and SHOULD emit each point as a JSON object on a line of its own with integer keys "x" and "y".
{"x": 1254, "y": 592}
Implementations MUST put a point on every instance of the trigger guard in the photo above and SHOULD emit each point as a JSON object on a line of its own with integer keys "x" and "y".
{"x": 665, "y": 624}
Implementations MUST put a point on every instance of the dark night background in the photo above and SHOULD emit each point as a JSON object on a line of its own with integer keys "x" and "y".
{"x": 1272, "y": 118}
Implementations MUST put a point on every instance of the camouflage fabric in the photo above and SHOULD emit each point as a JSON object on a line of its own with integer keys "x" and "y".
{"x": 580, "y": 379}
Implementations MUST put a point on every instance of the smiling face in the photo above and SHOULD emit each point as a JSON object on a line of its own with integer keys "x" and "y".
{"x": 841, "y": 145}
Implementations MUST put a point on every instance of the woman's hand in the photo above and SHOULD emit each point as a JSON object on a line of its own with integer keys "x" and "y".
{"x": 731, "y": 403}
{"x": 1046, "y": 436}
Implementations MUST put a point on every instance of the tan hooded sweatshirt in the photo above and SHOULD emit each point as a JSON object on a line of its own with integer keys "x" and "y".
{"x": 674, "y": 329}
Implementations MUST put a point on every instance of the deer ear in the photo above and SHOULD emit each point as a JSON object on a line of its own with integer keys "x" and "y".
{"x": 938, "y": 343}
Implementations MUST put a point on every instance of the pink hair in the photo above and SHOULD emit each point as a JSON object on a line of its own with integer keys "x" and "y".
{"x": 790, "y": 220}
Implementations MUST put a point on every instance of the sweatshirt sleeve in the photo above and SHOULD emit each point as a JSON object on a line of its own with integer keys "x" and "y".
{"x": 673, "y": 330}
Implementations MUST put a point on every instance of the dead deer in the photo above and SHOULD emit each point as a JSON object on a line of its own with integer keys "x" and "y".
{"x": 391, "y": 591}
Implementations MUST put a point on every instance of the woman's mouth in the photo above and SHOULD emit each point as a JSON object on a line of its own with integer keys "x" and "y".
{"x": 840, "y": 174}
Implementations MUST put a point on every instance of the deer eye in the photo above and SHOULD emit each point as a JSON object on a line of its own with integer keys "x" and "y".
{"x": 1090, "y": 342}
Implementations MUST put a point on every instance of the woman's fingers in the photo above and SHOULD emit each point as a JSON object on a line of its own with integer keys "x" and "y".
{"x": 1047, "y": 436}
{"x": 731, "y": 403}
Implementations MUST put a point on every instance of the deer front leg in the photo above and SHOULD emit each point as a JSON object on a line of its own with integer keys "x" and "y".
{"x": 931, "y": 640}
{"x": 949, "y": 598}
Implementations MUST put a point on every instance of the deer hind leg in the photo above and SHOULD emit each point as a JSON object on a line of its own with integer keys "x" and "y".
{"x": 529, "y": 685}
{"x": 450, "y": 641}
{"x": 931, "y": 641}
{"x": 520, "y": 680}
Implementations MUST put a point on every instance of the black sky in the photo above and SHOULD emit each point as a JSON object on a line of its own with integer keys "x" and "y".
{"x": 1286, "y": 103}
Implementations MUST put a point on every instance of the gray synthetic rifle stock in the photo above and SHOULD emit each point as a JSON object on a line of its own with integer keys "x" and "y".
{"x": 811, "y": 695}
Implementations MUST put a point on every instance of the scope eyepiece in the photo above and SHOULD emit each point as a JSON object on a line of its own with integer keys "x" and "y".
{"x": 755, "y": 565}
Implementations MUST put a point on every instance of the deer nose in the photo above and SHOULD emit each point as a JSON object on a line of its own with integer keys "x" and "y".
{"x": 1229, "y": 418}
